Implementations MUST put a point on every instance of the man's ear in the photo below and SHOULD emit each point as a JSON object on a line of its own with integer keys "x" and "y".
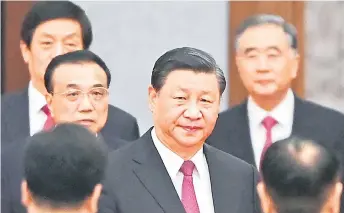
{"x": 152, "y": 95}
{"x": 295, "y": 65}
{"x": 25, "y": 51}
{"x": 332, "y": 204}
{"x": 49, "y": 100}
{"x": 26, "y": 197}
{"x": 265, "y": 199}
{"x": 91, "y": 203}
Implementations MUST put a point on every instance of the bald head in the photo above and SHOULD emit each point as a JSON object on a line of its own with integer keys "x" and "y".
{"x": 299, "y": 175}
{"x": 304, "y": 152}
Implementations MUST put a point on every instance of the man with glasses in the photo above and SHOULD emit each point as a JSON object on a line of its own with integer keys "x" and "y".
{"x": 77, "y": 85}
{"x": 49, "y": 29}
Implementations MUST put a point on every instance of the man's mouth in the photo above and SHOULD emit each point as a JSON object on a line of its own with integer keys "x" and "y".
{"x": 86, "y": 122}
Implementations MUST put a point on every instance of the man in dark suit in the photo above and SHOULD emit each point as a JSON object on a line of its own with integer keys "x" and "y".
{"x": 50, "y": 29}
{"x": 305, "y": 179}
{"x": 267, "y": 60}
{"x": 73, "y": 186}
{"x": 77, "y": 83}
{"x": 170, "y": 169}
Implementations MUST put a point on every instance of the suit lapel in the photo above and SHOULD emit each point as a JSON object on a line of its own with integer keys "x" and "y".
{"x": 18, "y": 122}
{"x": 240, "y": 135}
{"x": 225, "y": 194}
{"x": 150, "y": 170}
{"x": 300, "y": 124}
{"x": 240, "y": 130}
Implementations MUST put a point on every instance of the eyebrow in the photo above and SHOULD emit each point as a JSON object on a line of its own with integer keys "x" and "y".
{"x": 250, "y": 49}
{"x": 274, "y": 48}
{"x": 67, "y": 36}
{"x": 75, "y": 86}
{"x": 186, "y": 90}
{"x": 98, "y": 85}
{"x": 72, "y": 86}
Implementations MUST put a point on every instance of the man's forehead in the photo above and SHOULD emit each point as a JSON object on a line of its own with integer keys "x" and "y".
{"x": 79, "y": 74}
{"x": 187, "y": 80}
{"x": 82, "y": 85}
{"x": 190, "y": 76}
{"x": 262, "y": 36}
{"x": 62, "y": 27}
{"x": 78, "y": 68}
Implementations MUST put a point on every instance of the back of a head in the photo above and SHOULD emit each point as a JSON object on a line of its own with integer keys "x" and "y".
{"x": 300, "y": 176}
{"x": 63, "y": 169}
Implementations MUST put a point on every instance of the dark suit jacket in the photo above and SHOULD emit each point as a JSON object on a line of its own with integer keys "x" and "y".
{"x": 15, "y": 120}
{"x": 232, "y": 134}
{"x": 311, "y": 121}
{"x": 137, "y": 181}
{"x": 12, "y": 172}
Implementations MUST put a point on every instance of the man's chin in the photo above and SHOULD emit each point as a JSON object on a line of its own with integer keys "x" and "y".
{"x": 90, "y": 126}
{"x": 265, "y": 92}
{"x": 191, "y": 141}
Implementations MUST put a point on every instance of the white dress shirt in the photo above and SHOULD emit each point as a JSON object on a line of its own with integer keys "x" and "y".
{"x": 282, "y": 113}
{"x": 37, "y": 117}
{"x": 201, "y": 178}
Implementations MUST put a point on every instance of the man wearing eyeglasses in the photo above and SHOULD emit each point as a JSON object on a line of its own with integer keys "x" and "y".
{"x": 77, "y": 84}
{"x": 49, "y": 29}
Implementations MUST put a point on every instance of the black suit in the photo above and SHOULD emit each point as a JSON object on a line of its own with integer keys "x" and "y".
{"x": 311, "y": 121}
{"x": 12, "y": 172}
{"x": 137, "y": 181}
{"x": 15, "y": 120}
{"x": 232, "y": 134}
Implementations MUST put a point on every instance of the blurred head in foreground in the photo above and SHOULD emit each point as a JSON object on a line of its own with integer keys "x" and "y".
{"x": 300, "y": 176}
{"x": 63, "y": 170}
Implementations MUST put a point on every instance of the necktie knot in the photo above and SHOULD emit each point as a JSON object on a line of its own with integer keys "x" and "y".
{"x": 187, "y": 168}
{"x": 269, "y": 122}
{"x": 46, "y": 110}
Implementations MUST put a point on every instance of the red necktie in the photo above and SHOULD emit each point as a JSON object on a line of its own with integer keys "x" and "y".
{"x": 268, "y": 123}
{"x": 49, "y": 123}
{"x": 188, "y": 191}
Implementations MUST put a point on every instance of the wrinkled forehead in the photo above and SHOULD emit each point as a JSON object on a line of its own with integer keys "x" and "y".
{"x": 81, "y": 75}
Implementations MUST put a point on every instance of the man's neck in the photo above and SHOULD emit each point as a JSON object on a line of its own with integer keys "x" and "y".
{"x": 39, "y": 87}
{"x": 181, "y": 151}
{"x": 46, "y": 210}
{"x": 268, "y": 103}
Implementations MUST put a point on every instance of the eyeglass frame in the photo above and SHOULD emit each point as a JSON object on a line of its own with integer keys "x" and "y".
{"x": 64, "y": 94}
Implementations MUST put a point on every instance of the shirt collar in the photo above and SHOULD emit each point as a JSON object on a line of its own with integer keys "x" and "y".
{"x": 36, "y": 99}
{"x": 173, "y": 162}
{"x": 283, "y": 112}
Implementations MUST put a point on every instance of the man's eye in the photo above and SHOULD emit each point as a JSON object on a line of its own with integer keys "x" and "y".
{"x": 205, "y": 100}
{"x": 46, "y": 43}
{"x": 73, "y": 94}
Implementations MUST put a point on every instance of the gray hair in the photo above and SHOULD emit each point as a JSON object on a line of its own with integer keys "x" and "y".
{"x": 262, "y": 19}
